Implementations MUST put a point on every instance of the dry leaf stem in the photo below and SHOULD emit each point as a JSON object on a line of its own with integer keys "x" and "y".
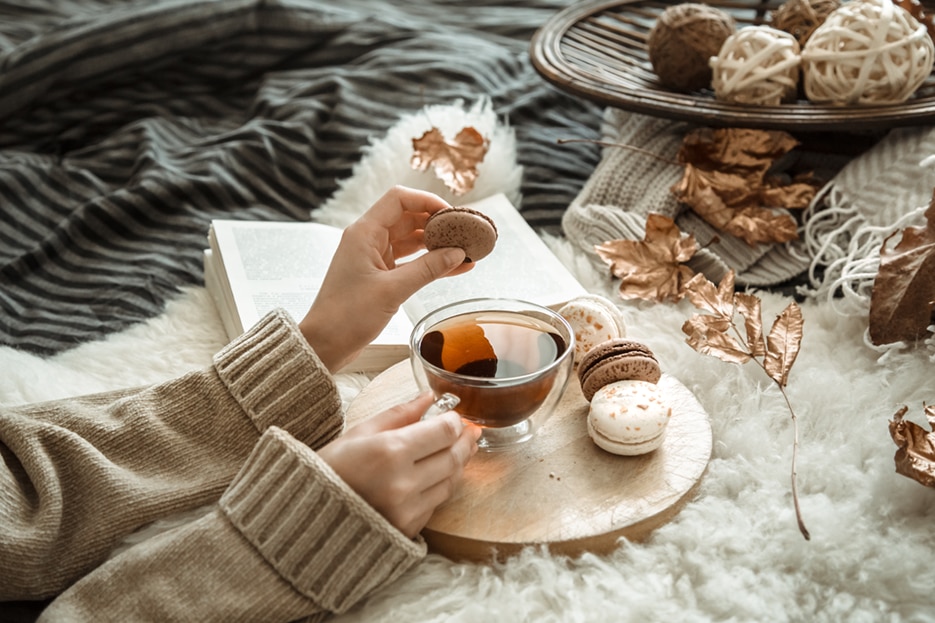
{"x": 795, "y": 452}
{"x": 718, "y": 335}
{"x": 795, "y": 447}
{"x": 795, "y": 439}
{"x": 645, "y": 152}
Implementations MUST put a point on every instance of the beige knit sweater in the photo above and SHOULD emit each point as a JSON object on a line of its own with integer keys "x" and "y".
{"x": 286, "y": 540}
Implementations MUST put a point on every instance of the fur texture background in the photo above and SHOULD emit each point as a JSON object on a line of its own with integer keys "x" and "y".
{"x": 733, "y": 553}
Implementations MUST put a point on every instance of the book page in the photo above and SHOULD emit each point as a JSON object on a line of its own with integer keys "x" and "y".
{"x": 219, "y": 288}
{"x": 521, "y": 266}
{"x": 256, "y": 266}
{"x": 281, "y": 264}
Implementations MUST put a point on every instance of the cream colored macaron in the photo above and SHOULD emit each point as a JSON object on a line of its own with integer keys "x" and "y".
{"x": 628, "y": 417}
{"x": 594, "y": 319}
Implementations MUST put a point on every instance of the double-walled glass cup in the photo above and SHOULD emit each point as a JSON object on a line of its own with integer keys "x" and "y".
{"x": 507, "y": 360}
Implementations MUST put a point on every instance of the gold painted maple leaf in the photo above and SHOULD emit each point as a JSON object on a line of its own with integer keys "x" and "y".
{"x": 454, "y": 162}
{"x": 652, "y": 268}
{"x": 727, "y": 182}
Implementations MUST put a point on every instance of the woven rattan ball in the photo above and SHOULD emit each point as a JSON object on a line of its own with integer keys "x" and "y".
{"x": 683, "y": 39}
{"x": 800, "y": 18}
{"x": 757, "y": 65}
{"x": 866, "y": 52}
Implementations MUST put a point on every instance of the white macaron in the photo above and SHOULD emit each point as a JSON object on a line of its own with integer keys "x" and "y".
{"x": 594, "y": 319}
{"x": 628, "y": 417}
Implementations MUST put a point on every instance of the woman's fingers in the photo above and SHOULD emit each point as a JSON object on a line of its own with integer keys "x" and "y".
{"x": 436, "y": 434}
{"x": 448, "y": 462}
{"x": 401, "y": 465}
{"x": 408, "y": 244}
{"x": 396, "y": 417}
{"x": 440, "y": 473}
{"x": 399, "y": 205}
{"x": 413, "y": 275}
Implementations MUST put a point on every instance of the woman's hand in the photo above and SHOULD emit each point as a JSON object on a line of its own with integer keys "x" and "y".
{"x": 364, "y": 287}
{"x": 401, "y": 466}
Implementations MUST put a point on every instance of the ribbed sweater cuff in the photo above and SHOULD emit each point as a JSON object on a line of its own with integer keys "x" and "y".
{"x": 279, "y": 381}
{"x": 319, "y": 535}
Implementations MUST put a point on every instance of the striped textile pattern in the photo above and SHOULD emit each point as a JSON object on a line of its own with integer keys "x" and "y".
{"x": 126, "y": 126}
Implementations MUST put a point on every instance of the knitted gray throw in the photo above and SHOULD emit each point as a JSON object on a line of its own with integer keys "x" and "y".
{"x": 879, "y": 192}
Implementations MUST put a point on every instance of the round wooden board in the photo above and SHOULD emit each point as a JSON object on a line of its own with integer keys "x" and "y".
{"x": 559, "y": 489}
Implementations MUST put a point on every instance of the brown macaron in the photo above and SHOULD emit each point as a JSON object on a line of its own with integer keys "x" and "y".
{"x": 617, "y": 360}
{"x": 461, "y": 227}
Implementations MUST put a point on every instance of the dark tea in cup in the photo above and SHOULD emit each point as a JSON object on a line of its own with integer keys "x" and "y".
{"x": 508, "y": 361}
{"x": 499, "y": 363}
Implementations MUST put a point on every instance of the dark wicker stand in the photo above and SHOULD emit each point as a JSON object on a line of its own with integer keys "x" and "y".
{"x": 598, "y": 50}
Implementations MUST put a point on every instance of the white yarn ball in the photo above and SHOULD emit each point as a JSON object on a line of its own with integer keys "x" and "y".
{"x": 867, "y": 52}
{"x": 757, "y": 65}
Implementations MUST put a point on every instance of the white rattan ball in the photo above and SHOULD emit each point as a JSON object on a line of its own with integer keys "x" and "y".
{"x": 866, "y": 52}
{"x": 757, "y": 65}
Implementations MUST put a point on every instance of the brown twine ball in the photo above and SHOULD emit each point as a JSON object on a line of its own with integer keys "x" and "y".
{"x": 757, "y": 65}
{"x": 919, "y": 12}
{"x": 683, "y": 40}
{"x": 867, "y": 52}
{"x": 800, "y": 18}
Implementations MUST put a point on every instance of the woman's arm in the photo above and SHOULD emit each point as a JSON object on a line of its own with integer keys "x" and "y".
{"x": 289, "y": 539}
{"x": 78, "y": 475}
{"x": 310, "y": 532}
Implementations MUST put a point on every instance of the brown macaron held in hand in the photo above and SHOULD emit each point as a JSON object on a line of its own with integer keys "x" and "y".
{"x": 616, "y": 360}
{"x": 461, "y": 227}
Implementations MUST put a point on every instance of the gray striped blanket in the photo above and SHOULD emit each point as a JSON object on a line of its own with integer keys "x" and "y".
{"x": 126, "y": 126}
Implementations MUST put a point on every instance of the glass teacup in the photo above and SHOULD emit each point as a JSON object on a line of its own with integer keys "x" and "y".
{"x": 508, "y": 361}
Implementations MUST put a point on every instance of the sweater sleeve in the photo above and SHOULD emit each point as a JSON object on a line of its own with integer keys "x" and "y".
{"x": 289, "y": 539}
{"x": 78, "y": 475}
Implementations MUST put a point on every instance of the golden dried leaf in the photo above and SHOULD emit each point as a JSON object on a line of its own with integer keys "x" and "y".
{"x": 782, "y": 343}
{"x": 454, "y": 162}
{"x": 737, "y": 148}
{"x": 749, "y": 307}
{"x": 755, "y": 225}
{"x": 793, "y": 196}
{"x": 902, "y": 302}
{"x": 651, "y": 269}
{"x": 708, "y": 335}
{"x": 726, "y": 183}
{"x": 704, "y": 295}
{"x": 915, "y": 454}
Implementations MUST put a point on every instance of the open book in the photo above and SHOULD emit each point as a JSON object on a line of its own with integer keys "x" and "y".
{"x": 253, "y": 267}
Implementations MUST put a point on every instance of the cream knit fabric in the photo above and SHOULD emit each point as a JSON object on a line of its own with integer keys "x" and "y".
{"x": 627, "y": 185}
{"x": 883, "y": 191}
{"x": 288, "y": 540}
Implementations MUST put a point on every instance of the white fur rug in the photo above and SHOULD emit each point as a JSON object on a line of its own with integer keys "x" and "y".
{"x": 733, "y": 553}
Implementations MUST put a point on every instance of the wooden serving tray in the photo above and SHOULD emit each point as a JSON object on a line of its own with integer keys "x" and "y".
{"x": 559, "y": 489}
{"x": 598, "y": 49}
